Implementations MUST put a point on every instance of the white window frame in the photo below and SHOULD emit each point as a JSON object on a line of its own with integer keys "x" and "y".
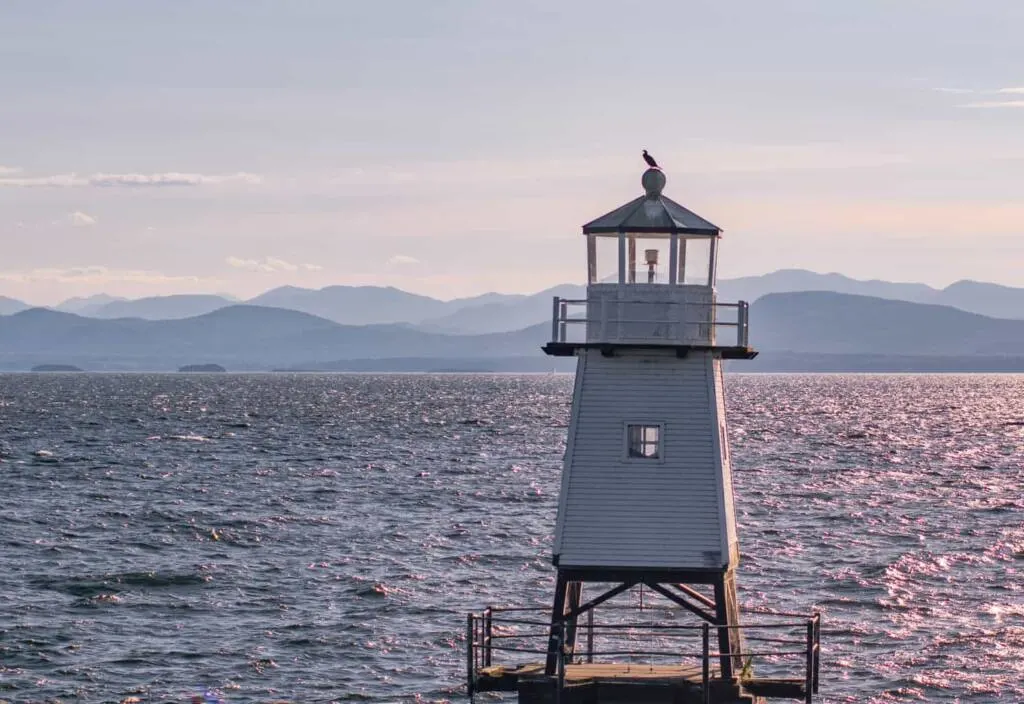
{"x": 626, "y": 440}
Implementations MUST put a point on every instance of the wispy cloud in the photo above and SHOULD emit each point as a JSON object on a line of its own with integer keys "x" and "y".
{"x": 4, "y": 170}
{"x": 401, "y": 260}
{"x": 93, "y": 275}
{"x": 269, "y": 265}
{"x": 986, "y": 104}
{"x": 127, "y": 180}
{"x": 80, "y": 219}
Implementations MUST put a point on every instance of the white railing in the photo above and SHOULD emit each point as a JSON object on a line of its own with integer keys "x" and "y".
{"x": 669, "y": 323}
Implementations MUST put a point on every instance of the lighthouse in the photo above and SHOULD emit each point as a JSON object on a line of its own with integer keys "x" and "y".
{"x": 646, "y": 495}
{"x": 646, "y": 499}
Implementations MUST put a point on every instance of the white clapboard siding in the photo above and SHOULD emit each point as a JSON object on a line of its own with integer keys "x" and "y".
{"x": 669, "y": 513}
{"x": 726, "y": 460}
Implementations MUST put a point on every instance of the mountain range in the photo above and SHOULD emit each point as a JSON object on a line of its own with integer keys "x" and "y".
{"x": 799, "y": 319}
{"x": 793, "y": 331}
{"x": 495, "y": 312}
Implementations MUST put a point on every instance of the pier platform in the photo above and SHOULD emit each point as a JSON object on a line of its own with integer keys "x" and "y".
{"x": 629, "y": 683}
{"x": 638, "y": 663}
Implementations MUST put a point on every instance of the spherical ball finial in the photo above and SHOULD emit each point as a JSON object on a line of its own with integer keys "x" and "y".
{"x": 653, "y": 182}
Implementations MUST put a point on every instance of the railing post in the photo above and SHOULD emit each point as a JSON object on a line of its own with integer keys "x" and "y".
{"x": 809, "y": 678}
{"x": 817, "y": 649}
{"x": 602, "y": 332}
{"x": 488, "y": 630}
{"x": 590, "y": 635}
{"x": 554, "y": 319}
{"x": 705, "y": 676}
{"x": 563, "y": 319}
{"x": 742, "y": 337}
{"x": 560, "y": 672}
{"x": 470, "y": 664}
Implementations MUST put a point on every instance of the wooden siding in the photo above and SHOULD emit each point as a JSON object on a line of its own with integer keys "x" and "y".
{"x": 621, "y": 512}
{"x": 727, "y": 500}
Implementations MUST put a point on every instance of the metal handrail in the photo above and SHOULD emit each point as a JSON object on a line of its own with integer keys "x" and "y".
{"x": 561, "y": 319}
{"x": 482, "y": 642}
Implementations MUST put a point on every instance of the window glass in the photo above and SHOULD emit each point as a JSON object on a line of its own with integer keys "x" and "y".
{"x": 643, "y": 441}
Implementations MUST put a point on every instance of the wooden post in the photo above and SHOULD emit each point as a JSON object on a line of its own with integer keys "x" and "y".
{"x": 741, "y": 324}
{"x": 573, "y": 593}
{"x": 591, "y": 259}
{"x": 673, "y": 259}
{"x": 726, "y": 615}
{"x": 488, "y": 631}
{"x": 590, "y": 635}
{"x": 560, "y": 684}
{"x": 557, "y": 631}
{"x": 556, "y": 306}
{"x": 713, "y": 261}
{"x": 682, "y": 261}
{"x": 706, "y": 663}
{"x": 817, "y": 649}
{"x": 809, "y": 678}
{"x": 470, "y": 668}
{"x": 563, "y": 317}
{"x": 622, "y": 257}
{"x": 632, "y": 260}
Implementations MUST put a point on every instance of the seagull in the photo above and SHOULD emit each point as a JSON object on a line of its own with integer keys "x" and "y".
{"x": 650, "y": 160}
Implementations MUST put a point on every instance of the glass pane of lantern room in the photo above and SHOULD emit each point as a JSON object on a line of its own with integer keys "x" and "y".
{"x": 607, "y": 270}
{"x": 695, "y": 264}
{"x": 647, "y": 259}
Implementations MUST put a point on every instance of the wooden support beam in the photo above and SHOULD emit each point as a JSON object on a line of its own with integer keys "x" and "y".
{"x": 675, "y": 598}
{"x": 601, "y": 599}
{"x": 555, "y": 632}
{"x": 696, "y": 595}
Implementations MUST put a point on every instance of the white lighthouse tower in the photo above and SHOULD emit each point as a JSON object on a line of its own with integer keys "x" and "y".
{"x": 646, "y": 496}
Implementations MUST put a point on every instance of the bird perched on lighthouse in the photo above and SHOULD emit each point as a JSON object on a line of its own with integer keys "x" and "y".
{"x": 650, "y": 160}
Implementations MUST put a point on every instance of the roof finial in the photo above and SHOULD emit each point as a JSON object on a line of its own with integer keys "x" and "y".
{"x": 653, "y": 182}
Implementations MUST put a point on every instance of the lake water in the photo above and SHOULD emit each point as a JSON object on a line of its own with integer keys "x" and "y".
{"x": 318, "y": 538}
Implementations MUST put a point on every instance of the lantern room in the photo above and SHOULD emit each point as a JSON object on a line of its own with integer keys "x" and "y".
{"x": 652, "y": 240}
{"x": 651, "y": 267}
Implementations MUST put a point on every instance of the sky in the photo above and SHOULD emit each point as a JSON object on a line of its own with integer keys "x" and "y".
{"x": 455, "y": 147}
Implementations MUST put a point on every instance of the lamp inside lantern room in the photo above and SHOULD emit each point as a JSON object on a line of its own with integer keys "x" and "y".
{"x": 616, "y": 258}
{"x": 651, "y": 257}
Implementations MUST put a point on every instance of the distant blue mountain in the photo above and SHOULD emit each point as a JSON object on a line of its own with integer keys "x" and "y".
{"x": 836, "y": 323}
{"x": 496, "y": 312}
{"x": 238, "y": 337}
{"x": 750, "y": 288}
{"x": 789, "y": 329}
{"x": 988, "y": 299}
{"x": 9, "y": 306}
{"x": 500, "y": 313}
{"x": 354, "y": 305}
{"x": 86, "y": 305}
{"x": 162, "y": 307}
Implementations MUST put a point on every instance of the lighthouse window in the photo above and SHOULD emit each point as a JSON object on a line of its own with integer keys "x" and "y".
{"x": 643, "y": 441}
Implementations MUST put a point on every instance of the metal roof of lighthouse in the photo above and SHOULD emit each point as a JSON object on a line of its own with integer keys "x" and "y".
{"x": 652, "y": 213}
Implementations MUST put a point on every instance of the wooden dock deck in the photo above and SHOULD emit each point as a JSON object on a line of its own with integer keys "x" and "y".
{"x": 615, "y": 683}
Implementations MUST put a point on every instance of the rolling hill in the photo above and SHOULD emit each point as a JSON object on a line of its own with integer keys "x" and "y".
{"x": 793, "y": 331}
{"x": 162, "y": 307}
{"x": 8, "y": 306}
{"x": 354, "y": 305}
{"x": 238, "y": 337}
{"x": 836, "y": 323}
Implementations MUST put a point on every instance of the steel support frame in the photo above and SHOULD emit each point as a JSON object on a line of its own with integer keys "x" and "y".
{"x": 567, "y": 607}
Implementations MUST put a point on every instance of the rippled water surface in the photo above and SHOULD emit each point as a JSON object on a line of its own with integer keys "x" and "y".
{"x": 317, "y": 538}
